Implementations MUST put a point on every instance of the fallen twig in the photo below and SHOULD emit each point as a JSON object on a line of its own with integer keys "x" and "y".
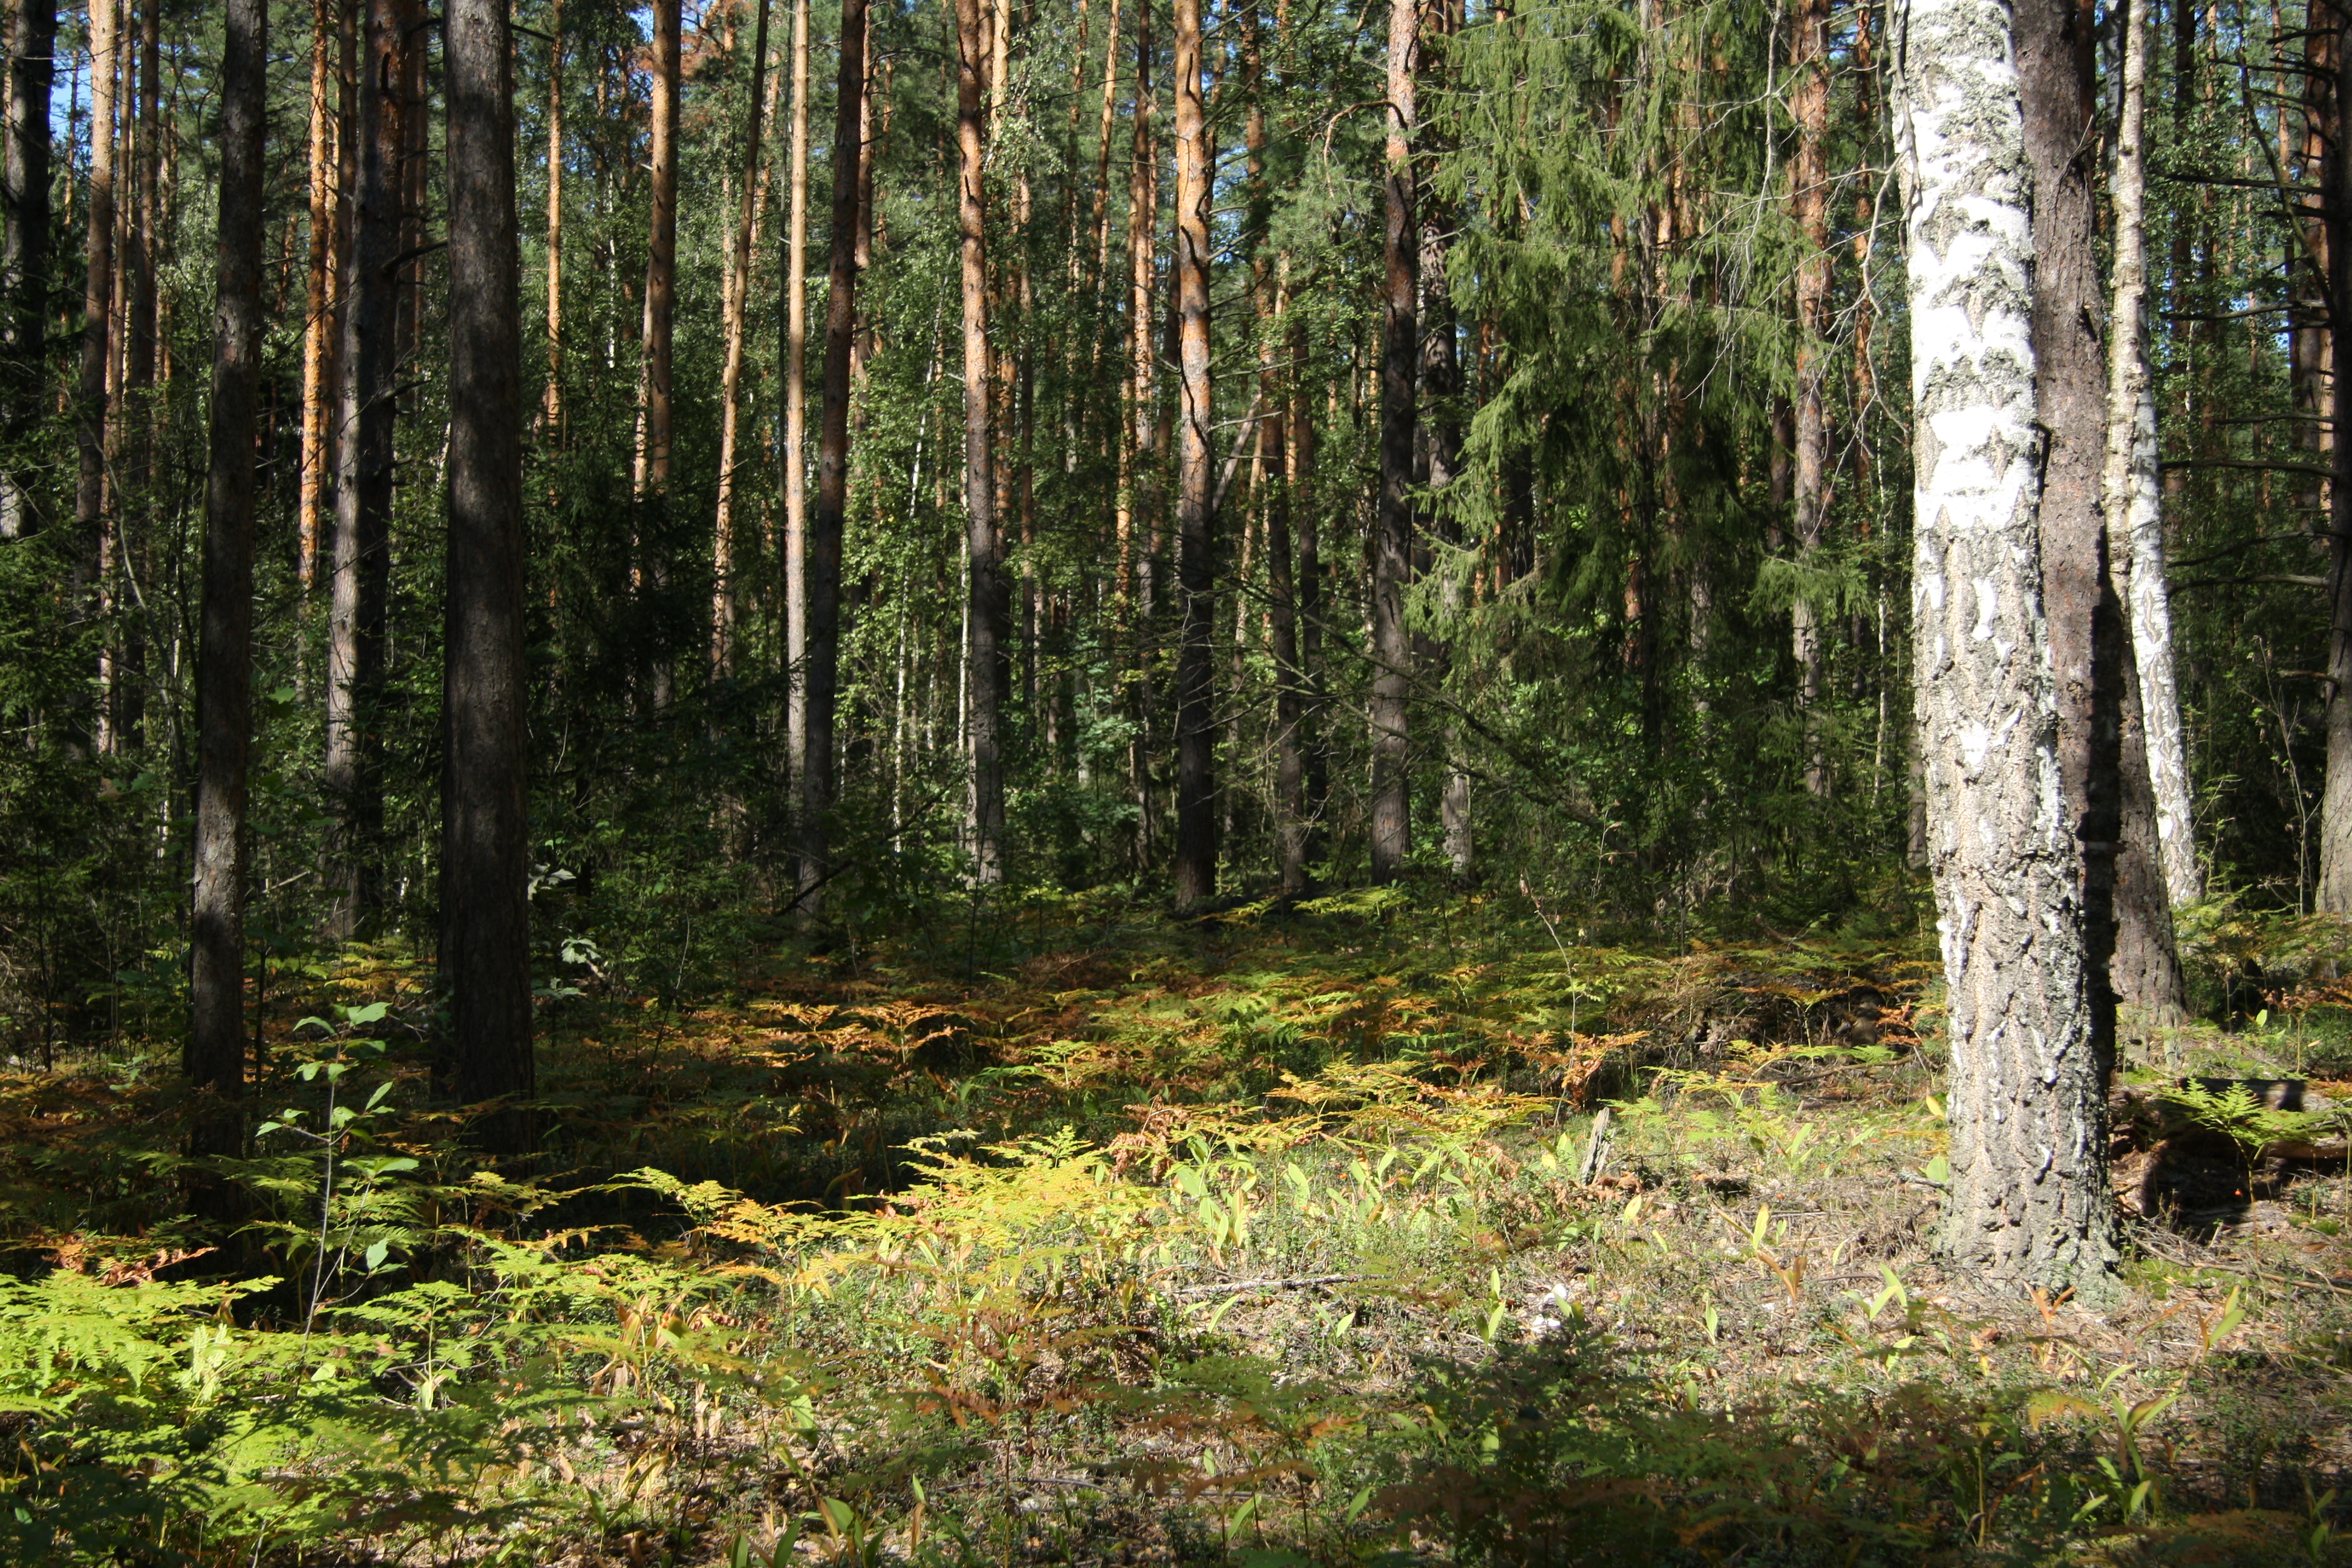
{"x": 1298, "y": 1284}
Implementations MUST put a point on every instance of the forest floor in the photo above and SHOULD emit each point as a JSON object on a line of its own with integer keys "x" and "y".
{"x": 1071, "y": 1234}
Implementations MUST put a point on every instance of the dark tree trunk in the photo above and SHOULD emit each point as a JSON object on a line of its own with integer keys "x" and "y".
{"x": 33, "y": 34}
{"x": 1392, "y": 825}
{"x": 1142, "y": 223}
{"x": 2069, "y": 399}
{"x": 215, "y": 1053}
{"x": 98, "y": 295}
{"x": 656, "y": 399}
{"x": 1196, "y": 794}
{"x": 139, "y": 369}
{"x": 485, "y": 846}
{"x": 2091, "y": 647}
{"x": 1441, "y": 440}
{"x": 849, "y": 180}
{"x": 2335, "y": 892}
{"x": 1307, "y": 504}
{"x": 985, "y": 802}
{"x": 1809, "y": 64}
{"x": 363, "y": 482}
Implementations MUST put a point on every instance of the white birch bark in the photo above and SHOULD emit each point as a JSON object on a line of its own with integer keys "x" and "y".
{"x": 2027, "y": 1202}
{"x": 2133, "y": 498}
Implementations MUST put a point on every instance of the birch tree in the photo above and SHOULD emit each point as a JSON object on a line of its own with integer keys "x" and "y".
{"x": 2134, "y": 495}
{"x": 2028, "y": 1200}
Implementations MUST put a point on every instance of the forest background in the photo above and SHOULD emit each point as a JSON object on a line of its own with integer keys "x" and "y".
{"x": 1380, "y": 467}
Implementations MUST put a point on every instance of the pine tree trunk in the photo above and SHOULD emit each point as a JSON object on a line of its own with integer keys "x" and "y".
{"x": 2333, "y": 895}
{"x": 850, "y": 181}
{"x": 1391, "y": 827}
{"x": 722, "y": 586}
{"x": 796, "y": 604}
{"x": 658, "y": 337}
{"x": 1142, "y": 486}
{"x": 1808, "y": 202}
{"x": 415, "y": 187}
{"x": 1102, "y": 151}
{"x": 551, "y": 406}
{"x": 2028, "y": 1200}
{"x": 25, "y": 264}
{"x": 2145, "y": 970}
{"x": 98, "y": 297}
{"x": 985, "y": 800}
{"x": 1441, "y": 440}
{"x": 2128, "y": 921}
{"x": 1306, "y": 512}
{"x": 1196, "y": 822}
{"x": 317, "y": 323}
{"x": 485, "y": 961}
{"x": 215, "y": 1050}
{"x": 363, "y": 483}
{"x": 1269, "y": 291}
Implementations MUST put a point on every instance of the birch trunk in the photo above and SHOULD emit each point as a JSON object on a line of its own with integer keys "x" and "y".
{"x": 2028, "y": 1200}
{"x": 216, "y": 1050}
{"x": 1392, "y": 828}
{"x": 2146, "y": 973}
{"x": 722, "y": 542}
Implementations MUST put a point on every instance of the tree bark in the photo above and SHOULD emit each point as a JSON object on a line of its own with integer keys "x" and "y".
{"x": 215, "y": 1052}
{"x": 796, "y": 604}
{"x": 27, "y": 247}
{"x": 984, "y": 799}
{"x": 1270, "y": 290}
{"x": 722, "y": 586}
{"x": 1196, "y": 795}
{"x": 97, "y": 292}
{"x": 2333, "y": 895}
{"x": 1391, "y": 827}
{"x": 363, "y": 483}
{"x": 849, "y": 184}
{"x": 2028, "y": 1200}
{"x": 551, "y": 406}
{"x": 2146, "y": 970}
{"x": 658, "y": 335}
{"x": 485, "y": 962}
{"x": 2127, "y": 923}
{"x": 1142, "y": 488}
{"x": 319, "y": 334}
{"x": 2134, "y": 496}
{"x": 1808, "y": 101}
{"x": 1306, "y": 512}
{"x": 1441, "y": 441}
{"x": 1102, "y": 149}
